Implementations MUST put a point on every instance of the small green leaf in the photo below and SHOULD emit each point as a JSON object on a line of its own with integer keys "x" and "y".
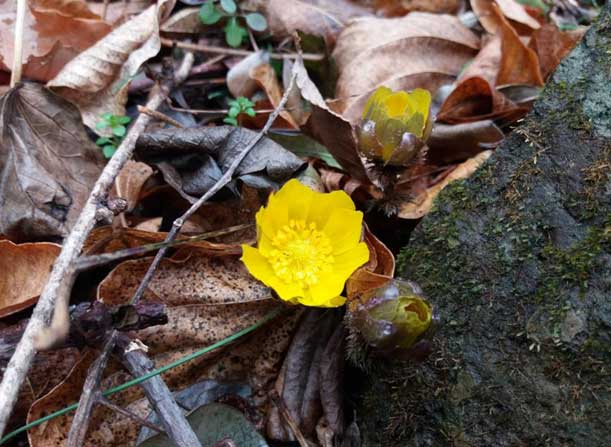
{"x": 230, "y": 120}
{"x": 229, "y": 6}
{"x": 250, "y": 112}
{"x": 102, "y": 141}
{"x": 256, "y": 21}
{"x": 119, "y": 130}
{"x": 209, "y": 14}
{"x": 216, "y": 94}
{"x": 234, "y": 33}
{"x": 101, "y": 125}
{"x": 123, "y": 119}
{"x": 109, "y": 150}
{"x": 107, "y": 116}
{"x": 233, "y": 111}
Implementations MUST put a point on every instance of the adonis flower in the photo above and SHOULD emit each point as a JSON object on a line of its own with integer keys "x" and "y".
{"x": 308, "y": 245}
{"x": 394, "y": 125}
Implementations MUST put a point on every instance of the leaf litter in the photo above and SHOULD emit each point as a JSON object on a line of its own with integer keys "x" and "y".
{"x": 482, "y": 63}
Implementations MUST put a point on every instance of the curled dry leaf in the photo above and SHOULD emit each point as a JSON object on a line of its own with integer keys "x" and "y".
{"x": 422, "y": 204}
{"x": 55, "y": 31}
{"x": 97, "y": 79}
{"x": 239, "y": 79}
{"x": 47, "y": 162}
{"x": 24, "y": 270}
{"x": 207, "y": 299}
{"x": 265, "y": 76}
{"x": 419, "y": 50}
{"x": 130, "y": 181}
{"x": 322, "y": 18}
{"x": 474, "y": 99}
{"x": 378, "y": 271}
{"x": 523, "y": 22}
{"x": 185, "y": 21}
{"x": 211, "y": 150}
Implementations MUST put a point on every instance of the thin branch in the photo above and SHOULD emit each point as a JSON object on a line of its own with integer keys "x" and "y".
{"x": 87, "y": 262}
{"x": 160, "y": 116}
{"x": 80, "y": 423}
{"x": 237, "y": 52}
{"x": 18, "y": 45}
{"x": 107, "y": 403}
{"x": 56, "y": 293}
{"x": 226, "y": 178}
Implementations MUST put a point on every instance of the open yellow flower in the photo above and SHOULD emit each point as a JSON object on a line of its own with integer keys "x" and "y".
{"x": 308, "y": 245}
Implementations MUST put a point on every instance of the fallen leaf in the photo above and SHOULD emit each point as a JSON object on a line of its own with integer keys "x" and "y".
{"x": 378, "y": 271}
{"x": 211, "y": 151}
{"x": 130, "y": 181}
{"x": 24, "y": 269}
{"x": 47, "y": 162}
{"x": 474, "y": 99}
{"x": 207, "y": 299}
{"x": 392, "y": 8}
{"x": 97, "y": 79}
{"x": 523, "y": 22}
{"x": 419, "y": 50}
{"x": 265, "y": 76}
{"x": 519, "y": 64}
{"x": 214, "y": 423}
{"x": 487, "y": 62}
{"x": 239, "y": 79}
{"x": 422, "y": 204}
{"x": 185, "y": 21}
{"x": 55, "y": 31}
{"x": 552, "y": 45}
{"x": 323, "y": 18}
{"x": 455, "y": 143}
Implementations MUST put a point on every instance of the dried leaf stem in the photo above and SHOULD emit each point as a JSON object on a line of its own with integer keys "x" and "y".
{"x": 56, "y": 294}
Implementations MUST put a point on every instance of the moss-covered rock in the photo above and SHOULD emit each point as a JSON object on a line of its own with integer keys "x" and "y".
{"x": 518, "y": 261}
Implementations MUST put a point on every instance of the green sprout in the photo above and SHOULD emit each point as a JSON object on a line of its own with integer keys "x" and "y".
{"x": 211, "y": 13}
{"x": 238, "y": 106}
{"x": 117, "y": 126}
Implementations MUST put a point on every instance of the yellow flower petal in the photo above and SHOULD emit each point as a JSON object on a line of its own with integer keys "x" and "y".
{"x": 297, "y": 198}
{"x": 397, "y": 104}
{"x": 374, "y": 108}
{"x": 344, "y": 229}
{"x": 323, "y": 205}
{"x": 329, "y": 287}
{"x": 352, "y": 259}
{"x": 259, "y": 267}
{"x": 273, "y": 217}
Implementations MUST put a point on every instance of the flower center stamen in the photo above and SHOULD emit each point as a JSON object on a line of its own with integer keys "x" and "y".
{"x": 301, "y": 253}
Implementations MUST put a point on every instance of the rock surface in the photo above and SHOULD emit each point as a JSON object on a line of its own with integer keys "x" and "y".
{"x": 518, "y": 261}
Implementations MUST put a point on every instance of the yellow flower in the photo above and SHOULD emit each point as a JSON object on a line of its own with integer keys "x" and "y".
{"x": 308, "y": 245}
{"x": 394, "y": 124}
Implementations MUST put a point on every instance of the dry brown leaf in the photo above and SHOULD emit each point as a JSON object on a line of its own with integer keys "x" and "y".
{"x": 474, "y": 99}
{"x": 239, "y": 79}
{"x": 523, "y": 22}
{"x": 185, "y": 21}
{"x": 378, "y": 271}
{"x": 422, "y": 204}
{"x": 323, "y": 18}
{"x": 487, "y": 62}
{"x": 130, "y": 181}
{"x": 265, "y": 76}
{"x": 97, "y": 79}
{"x": 419, "y": 50}
{"x": 207, "y": 300}
{"x": 24, "y": 270}
{"x": 392, "y": 8}
{"x": 519, "y": 64}
{"x": 552, "y": 44}
{"x": 55, "y": 31}
{"x": 48, "y": 164}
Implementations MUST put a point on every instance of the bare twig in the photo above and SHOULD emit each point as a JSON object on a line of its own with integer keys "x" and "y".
{"x": 18, "y": 45}
{"x": 55, "y": 295}
{"x": 171, "y": 416}
{"x": 237, "y": 52}
{"x": 160, "y": 116}
{"x": 80, "y": 423}
{"x": 286, "y": 415}
{"x": 226, "y": 178}
{"x": 107, "y": 403}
